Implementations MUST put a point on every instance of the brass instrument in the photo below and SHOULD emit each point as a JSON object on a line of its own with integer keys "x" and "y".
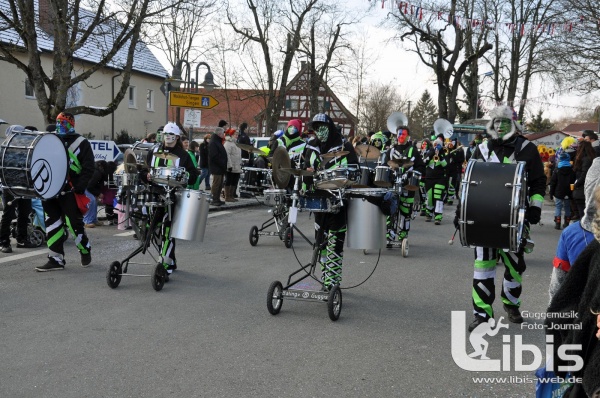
{"x": 436, "y": 157}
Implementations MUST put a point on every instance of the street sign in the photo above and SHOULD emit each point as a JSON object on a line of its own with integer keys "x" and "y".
{"x": 105, "y": 150}
{"x": 191, "y": 118}
{"x": 189, "y": 100}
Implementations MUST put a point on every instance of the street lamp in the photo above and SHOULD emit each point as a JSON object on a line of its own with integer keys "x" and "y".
{"x": 209, "y": 81}
{"x": 486, "y": 74}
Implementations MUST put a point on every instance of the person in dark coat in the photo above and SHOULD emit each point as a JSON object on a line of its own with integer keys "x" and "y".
{"x": 93, "y": 191}
{"x": 583, "y": 160}
{"x": 560, "y": 189}
{"x": 217, "y": 164}
{"x": 204, "y": 171}
{"x": 578, "y": 301}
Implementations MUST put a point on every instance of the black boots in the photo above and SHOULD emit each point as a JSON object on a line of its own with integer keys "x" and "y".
{"x": 557, "y": 222}
{"x": 567, "y": 221}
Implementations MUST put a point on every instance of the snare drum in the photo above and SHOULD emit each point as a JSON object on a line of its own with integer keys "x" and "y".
{"x": 171, "y": 176}
{"x": 319, "y": 202}
{"x": 493, "y": 198}
{"x": 384, "y": 176}
{"x": 125, "y": 179}
{"x": 366, "y": 221}
{"x": 414, "y": 180}
{"x": 34, "y": 165}
{"x": 367, "y": 175}
{"x": 332, "y": 178}
{"x": 274, "y": 197}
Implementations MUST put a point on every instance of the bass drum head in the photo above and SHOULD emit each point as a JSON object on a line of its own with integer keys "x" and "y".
{"x": 490, "y": 202}
{"x": 49, "y": 166}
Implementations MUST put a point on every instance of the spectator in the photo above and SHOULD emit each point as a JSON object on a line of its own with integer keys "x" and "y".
{"x": 222, "y": 124}
{"x": 244, "y": 139}
{"x": 579, "y": 295}
{"x": 108, "y": 194}
{"x": 204, "y": 170}
{"x": 94, "y": 192}
{"x": 217, "y": 164}
{"x": 150, "y": 138}
{"x": 234, "y": 165}
{"x": 560, "y": 190}
{"x": 583, "y": 160}
{"x": 576, "y": 236}
{"x": 591, "y": 137}
{"x": 192, "y": 148}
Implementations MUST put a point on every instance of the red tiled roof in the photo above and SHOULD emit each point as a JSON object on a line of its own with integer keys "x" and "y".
{"x": 535, "y": 136}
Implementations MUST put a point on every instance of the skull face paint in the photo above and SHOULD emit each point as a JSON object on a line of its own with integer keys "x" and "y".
{"x": 502, "y": 126}
{"x": 322, "y": 133}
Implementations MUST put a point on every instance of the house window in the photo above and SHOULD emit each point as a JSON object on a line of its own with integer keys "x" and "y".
{"x": 132, "y": 97}
{"x": 292, "y": 105}
{"x": 150, "y": 100}
{"x": 29, "y": 93}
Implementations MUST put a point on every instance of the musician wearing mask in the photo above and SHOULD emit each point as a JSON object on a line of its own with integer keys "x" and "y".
{"x": 379, "y": 141}
{"x": 506, "y": 146}
{"x": 404, "y": 151}
{"x": 435, "y": 181}
{"x": 171, "y": 144}
{"x": 62, "y": 212}
{"x": 456, "y": 158}
{"x": 330, "y": 227}
{"x": 293, "y": 142}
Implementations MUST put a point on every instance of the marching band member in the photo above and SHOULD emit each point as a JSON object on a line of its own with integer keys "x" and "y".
{"x": 293, "y": 142}
{"x": 379, "y": 140}
{"x": 171, "y": 143}
{"x": 456, "y": 158}
{"x": 435, "y": 182}
{"x": 63, "y": 210}
{"x": 404, "y": 149}
{"x": 506, "y": 146}
{"x": 330, "y": 227}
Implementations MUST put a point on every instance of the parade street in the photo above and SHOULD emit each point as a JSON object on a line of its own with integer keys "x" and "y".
{"x": 208, "y": 333}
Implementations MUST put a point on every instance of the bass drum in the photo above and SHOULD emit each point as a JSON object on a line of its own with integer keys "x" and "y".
{"x": 493, "y": 199}
{"x": 34, "y": 165}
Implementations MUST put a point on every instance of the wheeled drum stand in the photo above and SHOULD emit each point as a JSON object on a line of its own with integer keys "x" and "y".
{"x": 293, "y": 290}
{"x": 150, "y": 235}
{"x": 277, "y": 292}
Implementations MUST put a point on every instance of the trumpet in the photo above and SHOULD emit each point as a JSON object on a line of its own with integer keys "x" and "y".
{"x": 436, "y": 157}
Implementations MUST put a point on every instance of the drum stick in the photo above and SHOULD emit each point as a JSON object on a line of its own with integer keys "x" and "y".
{"x": 451, "y": 241}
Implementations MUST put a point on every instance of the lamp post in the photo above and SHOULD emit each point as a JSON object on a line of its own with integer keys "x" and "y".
{"x": 486, "y": 74}
{"x": 177, "y": 77}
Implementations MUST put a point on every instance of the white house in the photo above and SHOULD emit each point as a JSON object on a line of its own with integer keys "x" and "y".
{"x": 142, "y": 110}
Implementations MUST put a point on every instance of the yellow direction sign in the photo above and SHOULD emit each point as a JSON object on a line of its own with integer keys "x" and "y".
{"x": 189, "y": 100}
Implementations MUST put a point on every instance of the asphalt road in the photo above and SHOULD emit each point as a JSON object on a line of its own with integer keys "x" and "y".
{"x": 208, "y": 332}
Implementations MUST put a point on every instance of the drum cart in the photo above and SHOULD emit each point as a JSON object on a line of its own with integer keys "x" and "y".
{"x": 292, "y": 290}
{"x": 149, "y": 236}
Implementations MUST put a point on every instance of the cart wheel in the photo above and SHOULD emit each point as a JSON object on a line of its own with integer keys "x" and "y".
{"x": 158, "y": 277}
{"x": 404, "y": 247}
{"x": 36, "y": 237}
{"x": 365, "y": 252}
{"x": 334, "y": 303}
{"x": 288, "y": 237}
{"x": 113, "y": 274}
{"x": 275, "y": 298}
{"x": 254, "y": 235}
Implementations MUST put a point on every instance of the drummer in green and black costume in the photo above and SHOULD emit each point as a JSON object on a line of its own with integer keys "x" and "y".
{"x": 507, "y": 146}
{"x": 403, "y": 149}
{"x": 435, "y": 181}
{"x": 330, "y": 227}
{"x": 172, "y": 144}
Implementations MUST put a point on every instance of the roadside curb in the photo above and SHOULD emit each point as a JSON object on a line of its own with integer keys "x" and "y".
{"x": 241, "y": 203}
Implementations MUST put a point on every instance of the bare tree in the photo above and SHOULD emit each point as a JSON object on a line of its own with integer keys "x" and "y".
{"x": 381, "y": 99}
{"x": 177, "y": 33}
{"x": 523, "y": 49}
{"x": 275, "y": 26}
{"x": 114, "y": 28}
{"x": 364, "y": 58}
{"x": 441, "y": 46}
